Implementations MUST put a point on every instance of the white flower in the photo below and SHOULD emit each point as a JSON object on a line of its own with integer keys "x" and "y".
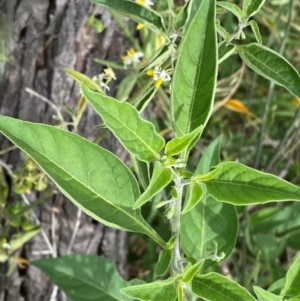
{"x": 132, "y": 57}
{"x": 145, "y": 2}
{"x": 104, "y": 78}
{"x": 159, "y": 76}
{"x": 5, "y": 245}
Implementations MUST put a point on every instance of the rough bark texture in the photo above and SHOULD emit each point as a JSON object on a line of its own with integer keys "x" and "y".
{"x": 49, "y": 35}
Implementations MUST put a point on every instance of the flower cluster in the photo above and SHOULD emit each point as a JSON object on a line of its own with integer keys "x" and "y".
{"x": 159, "y": 76}
{"x": 133, "y": 57}
{"x": 105, "y": 78}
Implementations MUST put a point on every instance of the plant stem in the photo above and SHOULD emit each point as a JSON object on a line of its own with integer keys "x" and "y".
{"x": 176, "y": 265}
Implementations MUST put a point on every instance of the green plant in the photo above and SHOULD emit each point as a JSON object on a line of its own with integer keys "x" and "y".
{"x": 202, "y": 201}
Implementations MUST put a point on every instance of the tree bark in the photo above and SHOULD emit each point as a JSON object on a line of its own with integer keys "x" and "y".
{"x": 49, "y": 35}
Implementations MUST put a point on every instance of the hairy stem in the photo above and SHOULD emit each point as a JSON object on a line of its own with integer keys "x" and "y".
{"x": 176, "y": 265}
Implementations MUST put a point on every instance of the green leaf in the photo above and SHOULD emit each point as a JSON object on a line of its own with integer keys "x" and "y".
{"x": 84, "y": 277}
{"x": 223, "y": 33}
{"x": 195, "y": 194}
{"x": 275, "y": 287}
{"x": 91, "y": 177}
{"x": 210, "y": 158}
{"x": 142, "y": 102}
{"x": 138, "y": 13}
{"x": 159, "y": 57}
{"x": 291, "y": 286}
{"x": 163, "y": 263}
{"x": 137, "y": 135}
{"x": 180, "y": 292}
{"x": 126, "y": 86}
{"x": 18, "y": 240}
{"x": 161, "y": 177}
{"x": 193, "y": 91}
{"x": 263, "y": 295}
{"x": 3, "y": 188}
{"x": 171, "y": 242}
{"x": 207, "y": 223}
{"x": 215, "y": 287}
{"x": 107, "y": 63}
{"x": 270, "y": 65}
{"x": 192, "y": 9}
{"x": 83, "y": 79}
{"x": 187, "y": 141}
{"x": 251, "y": 7}
{"x": 238, "y": 184}
{"x": 191, "y": 271}
{"x": 225, "y": 52}
{"x": 161, "y": 290}
{"x": 232, "y": 8}
{"x": 182, "y": 16}
{"x": 268, "y": 245}
{"x": 255, "y": 30}
{"x": 142, "y": 171}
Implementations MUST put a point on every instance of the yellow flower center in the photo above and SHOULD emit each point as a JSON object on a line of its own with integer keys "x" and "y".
{"x": 140, "y": 26}
{"x": 141, "y": 2}
{"x": 130, "y": 52}
{"x": 150, "y": 72}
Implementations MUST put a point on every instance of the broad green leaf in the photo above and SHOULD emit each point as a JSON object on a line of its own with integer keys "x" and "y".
{"x": 163, "y": 263}
{"x": 161, "y": 177}
{"x": 263, "y": 295}
{"x": 195, "y": 194}
{"x": 270, "y": 65}
{"x": 207, "y": 223}
{"x": 232, "y": 8}
{"x": 195, "y": 73}
{"x": 291, "y": 286}
{"x": 215, "y": 287}
{"x": 276, "y": 287}
{"x": 251, "y": 7}
{"x": 84, "y": 277}
{"x": 191, "y": 271}
{"x": 192, "y": 9}
{"x": 238, "y": 184}
{"x": 18, "y": 240}
{"x": 91, "y": 177}
{"x": 137, "y": 135}
{"x": 255, "y": 30}
{"x": 160, "y": 290}
{"x": 281, "y": 219}
{"x": 138, "y": 13}
{"x": 210, "y": 158}
{"x": 83, "y": 79}
{"x": 179, "y": 144}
